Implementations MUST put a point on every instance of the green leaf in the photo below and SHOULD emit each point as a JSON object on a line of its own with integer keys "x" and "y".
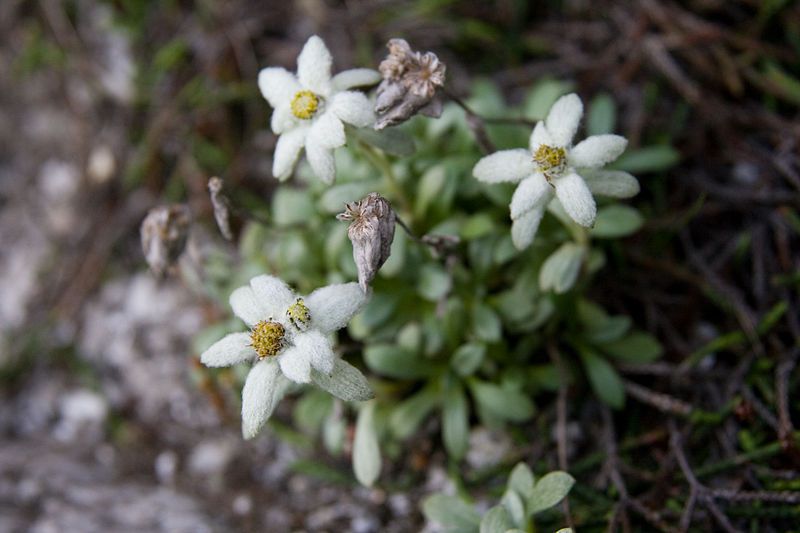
{"x": 395, "y": 362}
{"x": 455, "y": 423}
{"x": 291, "y": 206}
{"x": 407, "y": 416}
{"x": 451, "y": 512}
{"x": 616, "y": 221}
{"x": 334, "y": 198}
{"x": 613, "y": 328}
{"x": 393, "y": 141}
{"x": 345, "y": 382}
{"x": 604, "y": 379}
{"x": 428, "y": 188}
{"x": 477, "y": 226}
{"x": 602, "y": 115}
{"x": 485, "y": 323}
{"x": 637, "y": 347}
{"x": 521, "y": 480}
{"x": 366, "y": 454}
{"x": 542, "y": 97}
{"x": 500, "y": 403}
{"x": 560, "y": 271}
{"x": 549, "y": 490}
{"x": 648, "y": 159}
{"x": 333, "y": 432}
{"x": 433, "y": 282}
{"x": 496, "y": 520}
{"x": 468, "y": 358}
{"x": 311, "y": 410}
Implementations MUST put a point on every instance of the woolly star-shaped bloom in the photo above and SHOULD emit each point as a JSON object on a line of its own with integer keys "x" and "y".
{"x": 553, "y": 167}
{"x": 288, "y": 336}
{"x": 309, "y": 109}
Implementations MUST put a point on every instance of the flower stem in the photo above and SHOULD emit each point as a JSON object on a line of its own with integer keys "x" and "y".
{"x": 379, "y": 161}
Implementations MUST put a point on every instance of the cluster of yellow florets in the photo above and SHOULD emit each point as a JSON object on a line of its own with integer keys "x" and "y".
{"x": 267, "y": 338}
{"x": 305, "y": 104}
{"x": 550, "y": 160}
{"x": 299, "y": 315}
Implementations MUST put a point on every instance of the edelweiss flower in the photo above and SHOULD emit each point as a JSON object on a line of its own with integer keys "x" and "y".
{"x": 552, "y": 166}
{"x": 309, "y": 109}
{"x": 288, "y": 336}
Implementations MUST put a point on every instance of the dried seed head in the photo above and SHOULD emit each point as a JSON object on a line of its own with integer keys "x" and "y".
{"x": 164, "y": 232}
{"x": 410, "y": 83}
{"x": 371, "y": 231}
{"x": 222, "y": 207}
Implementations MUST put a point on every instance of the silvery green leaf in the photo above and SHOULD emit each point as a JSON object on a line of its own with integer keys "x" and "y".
{"x": 366, "y": 454}
{"x": 334, "y": 198}
{"x": 451, "y": 512}
{"x": 496, "y": 520}
{"x": 408, "y": 415}
{"x": 560, "y": 271}
{"x": 334, "y": 430}
{"x": 345, "y": 382}
{"x": 455, "y": 423}
{"x": 549, "y": 490}
{"x": 485, "y": 323}
{"x": 393, "y": 141}
{"x": 467, "y": 358}
{"x": 410, "y": 337}
{"x": 521, "y": 480}
{"x": 602, "y": 115}
{"x": 291, "y": 206}
{"x": 616, "y": 221}
{"x": 515, "y": 507}
{"x": 604, "y": 379}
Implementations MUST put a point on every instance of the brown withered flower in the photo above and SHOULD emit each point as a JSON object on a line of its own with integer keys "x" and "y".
{"x": 411, "y": 81}
{"x": 164, "y": 232}
{"x": 371, "y": 231}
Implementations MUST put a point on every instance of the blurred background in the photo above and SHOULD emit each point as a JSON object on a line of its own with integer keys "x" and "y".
{"x": 107, "y": 109}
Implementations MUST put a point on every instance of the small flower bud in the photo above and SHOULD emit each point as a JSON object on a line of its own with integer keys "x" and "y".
{"x": 410, "y": 83}
{"x": 164, "y": 232}
{"x": 371, "y": 231}
{"x": 222, "y": 207}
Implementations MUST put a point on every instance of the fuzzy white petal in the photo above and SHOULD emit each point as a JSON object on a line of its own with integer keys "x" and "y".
{"x": 245, "y": 306}
{"x": 272, "y": 295}
{"x": 296, "y": 364}
{"x": 318, "y": 348}
{"x": 314, "y": 66}
{"x": 259, "y": 397}
{"x": 231, "y": 349}
{"x": 282, "y": 119}
{"x": 563, "y": 119}
{"x": 278, "y": 85}
{"x": 328, "y": 131}
{"x": 505, "y": 165}
{"x": 356, "y": 77}
{"x": 613, "y": 183}
{"x": 287, "y": 151}
{"x": 333, "y": 306}
{"x": 576, "y": 199}
{"x": 523, "y": 230}
{"x": 354, "y": 108}
{"x": 321, "y": 160}
{"x": 597, "y": 150}
{"x": 531, "y": 192}
{"x": 539, "y": 136}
